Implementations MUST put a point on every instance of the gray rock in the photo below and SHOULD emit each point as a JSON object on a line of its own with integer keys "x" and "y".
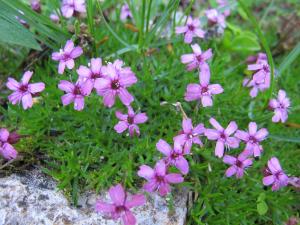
{"x": 33, "y": 199}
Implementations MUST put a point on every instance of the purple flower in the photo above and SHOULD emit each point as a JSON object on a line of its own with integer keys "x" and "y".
{"x": 70, "y": 6}
{"x": 121, "y": 205}
{"x": 129, "y": 121}
{"x": 114, "y": 83}
{"x": 224, "y": 3}
{"x": 190, "y": 30}
{"x": 66, "y": 56}
{"x": 275, "y": 175}
{"x": 189, "y": 135}
{"x": 238, "y": 165}
{"x": 35, "y": 5}
{"x": 215, "y": 18}
{"x": 54, "y": 17}
{"x": 196, "y": 59}
{"x": 6, "y": 149}
{"x": 74, "y": 93}
{"x": 280, "y": 107}
{"x": 158, "y": 178}
{"x": 203, "y": 92}
{"x": 261, "y": 78}
{"x": 252, "y": 138}
{"x": 222, "y": 136}
{"x": 88, "y": 75}
{"x": 125, "y": 12}
{"x": 256, "y": 58}
{"x": 174, "y": 156}
{"x": 23, "y": 91}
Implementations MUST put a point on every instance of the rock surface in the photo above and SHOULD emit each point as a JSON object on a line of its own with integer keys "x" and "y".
{"x": 33, "y": 199}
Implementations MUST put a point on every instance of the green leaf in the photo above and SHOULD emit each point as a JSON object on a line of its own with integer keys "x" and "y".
{"x": 245, "y": 42}
{"x": 261, "y": 197}
{"x": 14, "y": 33}
{"x": 262, "y": 208}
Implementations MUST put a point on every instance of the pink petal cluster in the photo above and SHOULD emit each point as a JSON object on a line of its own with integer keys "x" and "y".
{"x": 23, "y": 91}
{"x": 88, "y": 75}
{"x": 158, "y": 178}
{"x": 280, "y": 107}
{"x": 237, "y": 165}
{"x": 125, "y": 12}
{"x": 54, "y": 17}
{"x": 35, "y": 5}
{"x": 252, "y": 138}
{"x": 115, "y": 82}
{"x": 189, "y": 135}
{"x": 130, "y": 121}
{"x": 197, "y": 59}
{"x": 7, "y": 151}
{"x": 224, "y": 3}
{"x": 66, "y": 56}
{"x": 69, "y": 7}
{"x": 121, "y": 205}
{"x": 204, "y": 91}
{"x": 190, "y": 30}
{"x": 173, "y": 156}
{"x": 215, "y": 18}
{"x": 222, "y": 136}
{"x": 274, "y": 175}
{"x": 261, "y": 77}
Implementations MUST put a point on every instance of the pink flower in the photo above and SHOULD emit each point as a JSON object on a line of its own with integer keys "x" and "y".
{"x": 129, "y": 121}
{"x": 256, "y": 58}
{"x": 74, "y": 93}
{"x": 190, "y": 30}
{"x": 23, "y": 91}
{"x": 252, "y": 138}
{"x": 203, "y": 92}
{"x": 261, "y": 78}
{"x": 114, "y": 83}
{"x": 35, "y": 5}
{"x": 54, "y": 17}
{"x": 222, "y": 136}
{"x": 66, "y": 56}
{"x": 158, "y": 178}
{"x": 189, "y": 135}
{"x": 125, "y": 12}
{"x": 238, "y": 165}
{"x": 280, "y": 107}
{"x": 174, "y": 156}
{"x": 275, "y": 175}
{"x": 121, "y": 205}
{"x": 6, "y": 149}
{"x": 88, "y": 75}
{"x": 196, "y": 59}
{"x": 214, "y": 17}
{"x": 224, "y": 3}
{"x": 70, "y": 6}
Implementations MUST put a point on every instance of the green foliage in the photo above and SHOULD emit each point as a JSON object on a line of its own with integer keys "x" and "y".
{"x": 82, "y": 151}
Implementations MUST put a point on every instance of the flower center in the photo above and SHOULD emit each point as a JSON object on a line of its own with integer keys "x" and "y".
{"x": 160, "y": 179}
{"x": 95, "y": 75}
{"x": 120, "y": 209}
{"x": 252, "y": 139}
{"x": 191, "y": 27}
{"x": 77, "y": 90}
{"x": 23, "y": 88}
{"x": 204, "y": 89}
{"x": 266, "y": 68}
{"x": 115, "y": 84}
{"x": 199, "y": 58}
{"x": 239, "y": 163}
{"x": 130, "y": 119}
{"x": 223, "y": 136}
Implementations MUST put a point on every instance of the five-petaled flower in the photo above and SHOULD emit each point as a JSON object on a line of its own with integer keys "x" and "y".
{"x": 114, "y": 83}
{"x": 66, "y": 56}
{"x": 190, "y": 30}
{"x": 203, "y": 92}
{"x": 222, "y": 136}
{"x": 158, "y": 178}
{"x": 130, "y": 121}
{"x": 23, "y": 91}
{"x": 70, "y": 6}
{"x": 189, "y": 135}
{"x": 252, "y": 138}
{"x": 125, "y": 12}
{"x": 197, "y": 59}
{"x": 88, "y": 75}
{"x": 6, "y": 149}
{"x": 238, "y": 164}
{"x": 74, "y": 93}
{"x": 273, "y": 174}
{"x": 214, "y": 17}
{"x": 173, "y": 156}
{"x": 121, "y": 205}
{"x": 280, "y": 107}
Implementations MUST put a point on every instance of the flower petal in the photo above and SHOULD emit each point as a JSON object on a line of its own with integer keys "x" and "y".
{"x": 12, "y": 84}
{"x": 117, "y": 194}
{"x": 164, "y": 147}
{"x": 135, "y": 200}
{"x": 36, "y": 87}
{"x": 146, "y": 172}
{"x": 229, "y": 160}
{"x": 27, "y": 101}
{"x": 140, "y": 118}
{"x": 219, "y": 150}
{"x": 121, "y": 126}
